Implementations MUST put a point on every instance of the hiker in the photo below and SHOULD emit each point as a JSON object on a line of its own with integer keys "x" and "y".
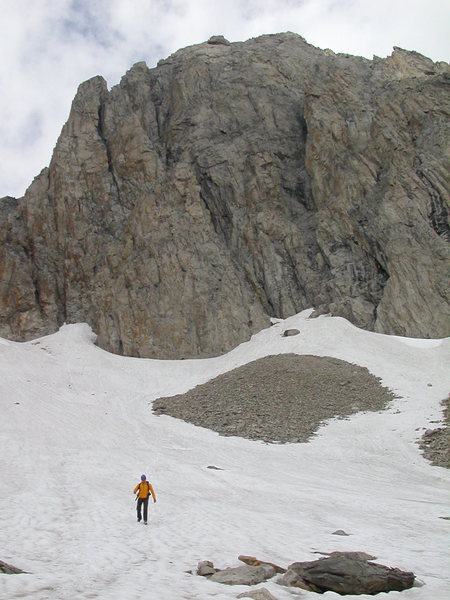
{"x": 145, "y": 489}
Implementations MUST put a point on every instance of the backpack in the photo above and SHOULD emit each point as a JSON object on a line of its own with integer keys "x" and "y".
{"x": 148, "y": 487}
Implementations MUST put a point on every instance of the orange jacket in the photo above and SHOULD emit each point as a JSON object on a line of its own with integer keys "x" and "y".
{"x": 145, "y": 489}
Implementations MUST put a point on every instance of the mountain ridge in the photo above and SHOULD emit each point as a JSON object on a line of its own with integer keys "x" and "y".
{"x": 232, "y": 183}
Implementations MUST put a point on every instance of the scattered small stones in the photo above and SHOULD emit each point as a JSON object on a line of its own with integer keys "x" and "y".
{"x": 214, "y": 468}
{"x": 340, "y": 532}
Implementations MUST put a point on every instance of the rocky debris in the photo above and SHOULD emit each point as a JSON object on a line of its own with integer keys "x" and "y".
{"x": 255, "y": 562}
{"x": 282, "y": 398}
{"x": 435, "y": 443}
{"x": 259, "y": 594}
{"x": 232, "y": 183}
{"x": 9, "y": 569}
{"x": 346, "y": 575}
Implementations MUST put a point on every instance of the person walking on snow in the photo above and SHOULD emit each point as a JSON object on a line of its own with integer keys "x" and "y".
{"x": 145, "y": 489}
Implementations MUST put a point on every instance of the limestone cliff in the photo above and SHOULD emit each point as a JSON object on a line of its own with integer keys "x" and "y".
{"x": 235, "y": 182}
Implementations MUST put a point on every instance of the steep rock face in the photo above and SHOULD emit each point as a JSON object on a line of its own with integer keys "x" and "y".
{"x": 235, "y": 182}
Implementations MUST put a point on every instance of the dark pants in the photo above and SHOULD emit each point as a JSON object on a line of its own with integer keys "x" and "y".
{"x": 140, "y": 502}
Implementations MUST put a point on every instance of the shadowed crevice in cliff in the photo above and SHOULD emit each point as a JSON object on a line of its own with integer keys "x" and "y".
{"x": 100, "y": 129}
{"x": 438, "y": 214}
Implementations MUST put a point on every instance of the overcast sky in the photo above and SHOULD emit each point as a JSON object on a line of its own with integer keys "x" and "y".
{"x": 48, "y": 47}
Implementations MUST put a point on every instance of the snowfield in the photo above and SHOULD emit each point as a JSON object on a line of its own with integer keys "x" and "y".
{"x": 77, "y": 430}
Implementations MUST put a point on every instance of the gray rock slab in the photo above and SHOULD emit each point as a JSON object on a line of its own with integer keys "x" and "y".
{"x": 205, "y": 568}
{"x": 245, "y": 575}
{"x": 351, "y": 575}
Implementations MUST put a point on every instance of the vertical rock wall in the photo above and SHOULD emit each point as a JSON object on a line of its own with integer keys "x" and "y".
{"x": 231, "y": 183}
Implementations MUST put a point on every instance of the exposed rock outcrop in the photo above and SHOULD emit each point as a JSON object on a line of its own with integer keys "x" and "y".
{"x": 231, "y": 183}
{"x": 346, "y": 575}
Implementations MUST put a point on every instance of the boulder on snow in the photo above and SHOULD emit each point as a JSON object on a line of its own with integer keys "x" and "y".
{"x": 205, "y": 568}
{"x": 247, "y": 575}
{"x": 347, "y": 574}
{"x": 290, "y": 332}
{"x": 9, "y": 569}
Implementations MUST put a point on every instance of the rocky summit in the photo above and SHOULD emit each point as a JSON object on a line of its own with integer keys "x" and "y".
{"x": 234, "y": 182}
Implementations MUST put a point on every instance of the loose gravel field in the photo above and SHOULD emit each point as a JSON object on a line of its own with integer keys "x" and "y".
{"x": 282, "y": 398}
{"x": 435, "y": 443}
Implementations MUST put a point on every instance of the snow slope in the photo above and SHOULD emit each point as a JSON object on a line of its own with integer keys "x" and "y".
{"x": 77, "y": 430}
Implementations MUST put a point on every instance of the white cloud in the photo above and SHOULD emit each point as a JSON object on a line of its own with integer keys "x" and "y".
{"x": 48, "y": 47}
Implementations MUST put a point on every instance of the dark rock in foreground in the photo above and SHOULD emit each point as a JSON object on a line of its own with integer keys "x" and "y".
{"x": 347, "y": 575}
